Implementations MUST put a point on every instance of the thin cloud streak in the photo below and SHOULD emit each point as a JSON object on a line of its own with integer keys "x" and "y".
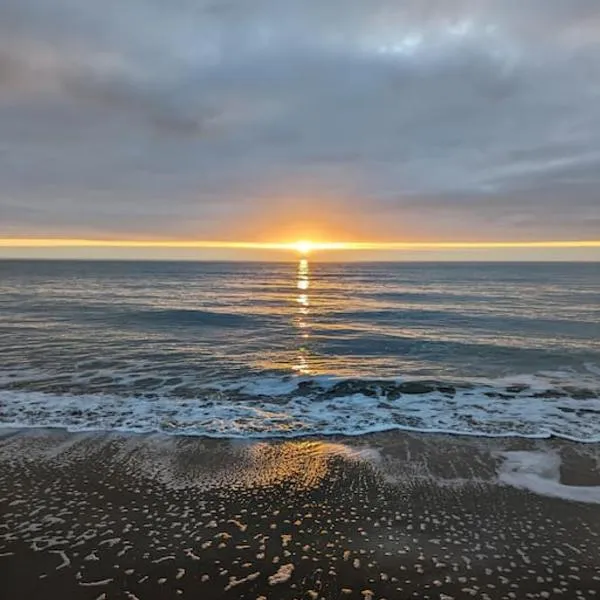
{"x": 293, "y": 246}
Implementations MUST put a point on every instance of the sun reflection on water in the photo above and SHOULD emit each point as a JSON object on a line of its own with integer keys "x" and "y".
{"x": 301, "y": 364}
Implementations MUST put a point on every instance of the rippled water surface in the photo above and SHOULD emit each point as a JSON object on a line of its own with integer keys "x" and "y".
{"x": 294, "y": 348}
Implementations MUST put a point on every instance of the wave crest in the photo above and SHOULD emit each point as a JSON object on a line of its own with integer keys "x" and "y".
{"x": 289, "y": 407}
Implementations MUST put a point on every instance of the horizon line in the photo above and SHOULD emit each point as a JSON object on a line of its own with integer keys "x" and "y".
{"x": 301, "y": 246}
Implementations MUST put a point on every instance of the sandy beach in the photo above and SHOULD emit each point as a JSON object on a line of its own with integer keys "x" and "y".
{"x": 92, "y": 515}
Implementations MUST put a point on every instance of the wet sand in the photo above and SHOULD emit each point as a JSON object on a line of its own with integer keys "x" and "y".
{"x": 105, "y": 516}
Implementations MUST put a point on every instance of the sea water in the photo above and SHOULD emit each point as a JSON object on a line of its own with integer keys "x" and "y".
{"x": 301, "y": 348}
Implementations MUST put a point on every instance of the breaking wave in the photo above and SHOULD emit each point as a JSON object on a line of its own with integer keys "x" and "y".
{"x": 264, "y": 407}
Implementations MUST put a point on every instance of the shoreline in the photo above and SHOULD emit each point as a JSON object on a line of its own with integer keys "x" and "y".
{"x": 383, "y": 515}
{"x": 8, "y": 429}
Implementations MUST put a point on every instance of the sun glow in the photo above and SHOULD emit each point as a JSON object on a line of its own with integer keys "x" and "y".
{"x": 303, "y": 247}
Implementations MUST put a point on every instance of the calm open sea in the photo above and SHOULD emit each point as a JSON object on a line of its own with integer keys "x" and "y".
{"x": 282, "y": 349}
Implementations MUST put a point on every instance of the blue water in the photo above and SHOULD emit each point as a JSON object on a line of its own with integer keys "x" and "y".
{"x": 249, "y": 349}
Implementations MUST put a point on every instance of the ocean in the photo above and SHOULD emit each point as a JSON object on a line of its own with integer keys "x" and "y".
{"x": 262, "y": 350}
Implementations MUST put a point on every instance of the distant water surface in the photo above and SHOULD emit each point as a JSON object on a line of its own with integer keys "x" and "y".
{"x": 270, "y": 349}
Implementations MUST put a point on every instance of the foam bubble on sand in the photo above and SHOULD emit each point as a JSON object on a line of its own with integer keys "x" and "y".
{"x": 282, "y": 575}
{"x": 539, "y": 472}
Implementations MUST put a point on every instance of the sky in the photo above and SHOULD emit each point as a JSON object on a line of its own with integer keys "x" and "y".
{"x": 277, "y": 120}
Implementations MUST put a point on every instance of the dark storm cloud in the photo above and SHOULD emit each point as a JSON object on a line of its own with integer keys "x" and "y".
{"x": 155, "y": 118}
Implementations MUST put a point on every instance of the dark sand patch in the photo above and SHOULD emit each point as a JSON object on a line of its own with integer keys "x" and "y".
{"x": 384, "y": 516}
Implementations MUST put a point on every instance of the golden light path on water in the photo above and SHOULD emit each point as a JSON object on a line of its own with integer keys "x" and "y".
{"x": 303, "y": 302}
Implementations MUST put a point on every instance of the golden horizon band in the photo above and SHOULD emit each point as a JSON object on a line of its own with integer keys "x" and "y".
{"x": 301, "y": 246}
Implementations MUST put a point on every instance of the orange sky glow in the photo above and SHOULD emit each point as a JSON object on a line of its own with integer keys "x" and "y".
{"x": 312, "y": 245}
{"x": 299, "y": 246}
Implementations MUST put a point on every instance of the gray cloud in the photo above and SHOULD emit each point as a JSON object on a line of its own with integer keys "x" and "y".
{"x": 456, "y": 119}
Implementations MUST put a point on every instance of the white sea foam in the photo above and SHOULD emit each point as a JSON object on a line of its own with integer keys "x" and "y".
{"x": 267, "y": 412}
{"x": 539, "y": 472}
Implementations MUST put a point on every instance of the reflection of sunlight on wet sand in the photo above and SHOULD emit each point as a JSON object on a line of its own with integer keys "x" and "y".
{"x": 303, "y": 300}
{"x": 219, "y": 464}
{"x": 303, "y": 463}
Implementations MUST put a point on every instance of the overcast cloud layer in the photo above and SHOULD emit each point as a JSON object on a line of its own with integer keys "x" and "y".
{"x": 232, "y": 118}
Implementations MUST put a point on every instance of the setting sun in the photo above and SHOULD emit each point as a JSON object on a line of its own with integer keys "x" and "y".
{"x": 304, "y": 246}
